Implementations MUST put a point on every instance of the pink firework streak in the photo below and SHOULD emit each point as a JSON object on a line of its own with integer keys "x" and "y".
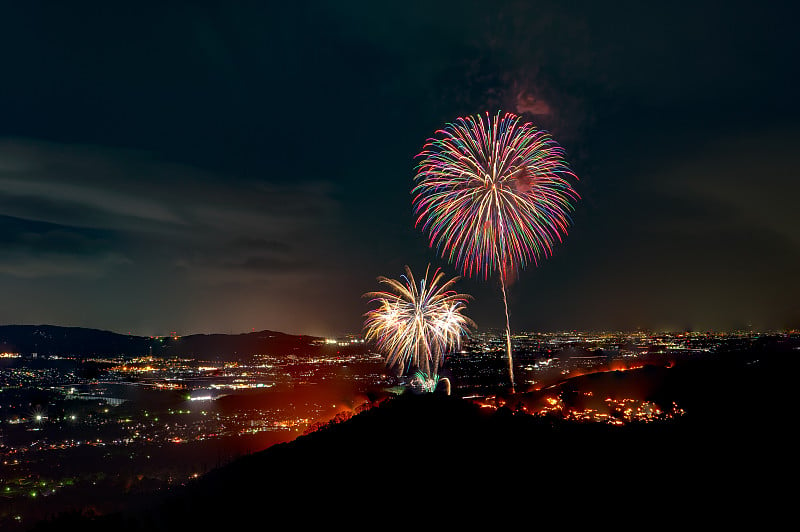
{"x": 493, "y": 195}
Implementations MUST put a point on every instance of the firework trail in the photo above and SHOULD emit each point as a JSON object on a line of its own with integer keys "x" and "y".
{"x": 415, "y": 325}
{"x": 494, "y": 195}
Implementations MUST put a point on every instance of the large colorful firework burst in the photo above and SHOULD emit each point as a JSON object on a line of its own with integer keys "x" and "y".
{"x": 494, "y": 195}
{"x": 416, "y": 325}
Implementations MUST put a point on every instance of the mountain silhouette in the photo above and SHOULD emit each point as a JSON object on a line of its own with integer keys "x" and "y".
{"x": 52, "y": 340}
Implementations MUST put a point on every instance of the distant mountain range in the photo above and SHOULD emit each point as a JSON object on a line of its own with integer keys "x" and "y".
{"x": 52, "y": 340}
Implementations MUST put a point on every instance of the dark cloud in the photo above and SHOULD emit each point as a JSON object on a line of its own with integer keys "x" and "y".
{"x": 37, "y": 249}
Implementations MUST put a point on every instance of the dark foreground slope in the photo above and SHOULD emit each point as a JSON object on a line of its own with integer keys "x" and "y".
{"x": 434, "y": 461}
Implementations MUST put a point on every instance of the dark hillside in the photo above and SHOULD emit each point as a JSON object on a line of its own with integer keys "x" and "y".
{"x": 435, "y": 458}
{"x": 431, "y": 460}
{"x": 50, "y": 340}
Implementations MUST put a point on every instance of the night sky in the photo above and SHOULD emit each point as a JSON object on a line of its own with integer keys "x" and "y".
{"x": 226, "y": 168}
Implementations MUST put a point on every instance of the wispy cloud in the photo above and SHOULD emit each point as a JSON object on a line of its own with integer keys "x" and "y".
{"x": 82, "y": 209}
